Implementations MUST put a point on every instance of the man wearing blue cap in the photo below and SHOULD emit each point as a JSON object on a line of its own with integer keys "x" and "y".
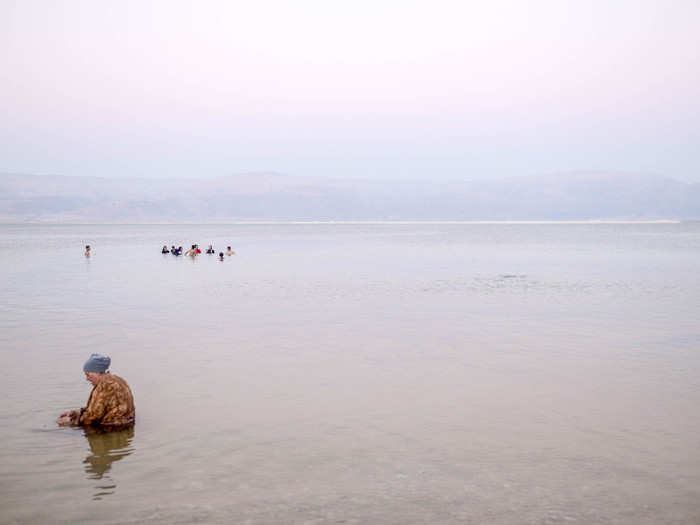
{"x": 110, "y": 405}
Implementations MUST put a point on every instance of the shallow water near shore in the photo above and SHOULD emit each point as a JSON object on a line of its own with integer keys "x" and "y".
{"x": 355, "y": 373}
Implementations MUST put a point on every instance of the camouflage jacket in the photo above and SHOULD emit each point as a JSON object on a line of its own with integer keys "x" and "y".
{"x": 110, "y": 405}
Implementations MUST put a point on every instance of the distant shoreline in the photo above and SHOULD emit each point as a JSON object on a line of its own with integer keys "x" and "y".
{"x": 359, "y": 223}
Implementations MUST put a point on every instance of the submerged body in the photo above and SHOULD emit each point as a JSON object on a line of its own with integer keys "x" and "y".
{"x": 111, "y": 404}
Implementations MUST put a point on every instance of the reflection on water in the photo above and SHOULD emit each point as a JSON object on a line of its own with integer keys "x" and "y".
{"x": 105, "y": 449}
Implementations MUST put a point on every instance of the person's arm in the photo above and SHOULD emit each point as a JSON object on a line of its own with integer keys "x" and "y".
{"x": 97, "y": 406}
{"x": 69, "y": 417}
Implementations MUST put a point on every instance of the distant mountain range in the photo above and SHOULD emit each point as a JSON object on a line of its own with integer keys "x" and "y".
{"x": 275, "y": 197}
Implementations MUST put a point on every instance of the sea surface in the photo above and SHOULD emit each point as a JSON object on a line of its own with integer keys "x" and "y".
{"x": 356, "y": 373}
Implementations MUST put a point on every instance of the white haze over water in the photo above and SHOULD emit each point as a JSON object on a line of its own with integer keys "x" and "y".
{"x": 399, "y": 90}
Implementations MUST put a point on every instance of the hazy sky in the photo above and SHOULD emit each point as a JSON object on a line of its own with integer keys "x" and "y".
{"x": 364, "y": 89}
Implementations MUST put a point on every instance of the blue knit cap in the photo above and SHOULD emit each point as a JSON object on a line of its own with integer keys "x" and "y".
{"x": 97, "y": 363}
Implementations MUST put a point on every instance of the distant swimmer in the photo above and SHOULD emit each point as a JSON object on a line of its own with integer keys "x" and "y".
{"x": 229, "y": 251}
{"x": 110, "y": 406}
{"x": 196, "y": 249}
{"x": 221, "y": 256}
{"x": 165, "y": 249}
{"x": 210, "y": 250}
{"x": 87, "y": 251}
{"x": 192, "y": 252}
{"x": 173, "y": 250}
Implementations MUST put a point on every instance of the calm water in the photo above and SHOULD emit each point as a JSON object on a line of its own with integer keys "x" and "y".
{"x": 405, "y": 374}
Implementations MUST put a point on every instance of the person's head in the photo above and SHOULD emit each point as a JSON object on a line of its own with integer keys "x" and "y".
{"x": 87, "y": 247}
{"x": 221, "y": 254}
{"x": 228, "y": 247}
{"x": 96, "y": 367}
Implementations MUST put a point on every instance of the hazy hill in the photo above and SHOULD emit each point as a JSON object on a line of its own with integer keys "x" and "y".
{"x": 270, "y": 196}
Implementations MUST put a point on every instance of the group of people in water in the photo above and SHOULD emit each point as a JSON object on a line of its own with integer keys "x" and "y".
{"x": 192, "y": 252}
{"x": 195, "y": 250}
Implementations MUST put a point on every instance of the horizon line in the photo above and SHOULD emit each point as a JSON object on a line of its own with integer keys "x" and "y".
{"x": 368, "y": 222}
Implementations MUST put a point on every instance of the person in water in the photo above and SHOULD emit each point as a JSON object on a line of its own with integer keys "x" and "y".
{"x": 221, "y": 256}
{"x": 110, "y": 406}
{"x": 210, "y": 250}
{"x": 165, "y": 249}
{"x": 192, "y": 252}
{"x": 229, "y": 251}
{"x": 196, "y": 249}
{"x": 87, "y": 251}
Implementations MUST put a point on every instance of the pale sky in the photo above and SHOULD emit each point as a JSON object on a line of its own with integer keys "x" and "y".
{"x": 377, "y": 89}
